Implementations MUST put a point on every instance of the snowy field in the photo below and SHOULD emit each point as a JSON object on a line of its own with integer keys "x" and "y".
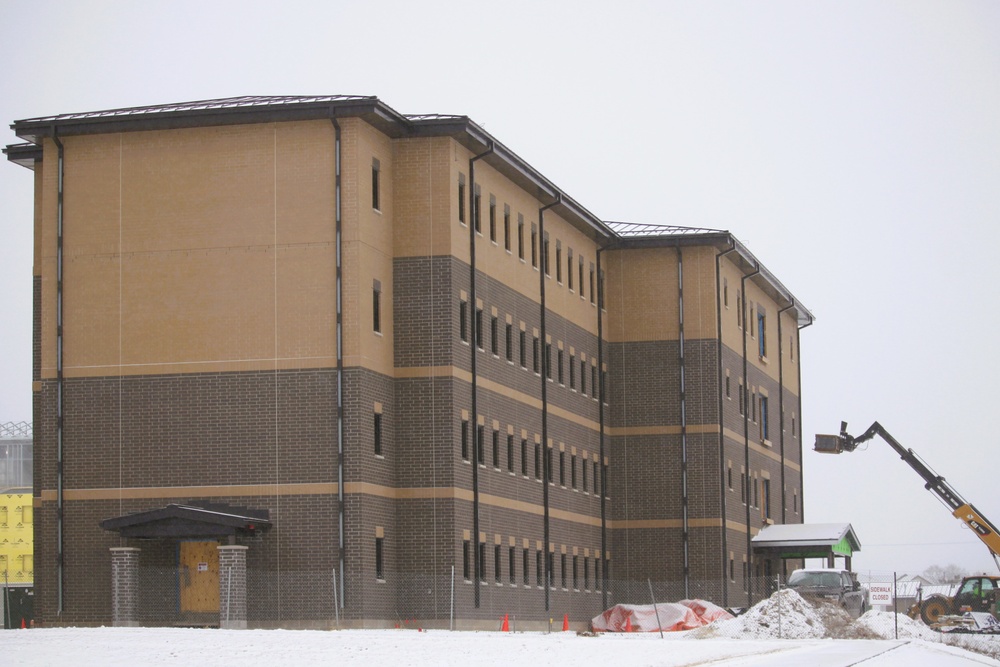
{"x": 782, "y": 631}
{"x": 126, "y": 647}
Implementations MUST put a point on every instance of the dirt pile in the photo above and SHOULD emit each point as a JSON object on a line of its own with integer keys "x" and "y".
{"x": 784, "y": 615}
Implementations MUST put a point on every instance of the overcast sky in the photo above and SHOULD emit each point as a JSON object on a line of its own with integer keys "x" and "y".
{"x": 854, "y": 146}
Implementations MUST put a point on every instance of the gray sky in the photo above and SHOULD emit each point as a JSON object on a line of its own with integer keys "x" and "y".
{"x": 853, "y": 145}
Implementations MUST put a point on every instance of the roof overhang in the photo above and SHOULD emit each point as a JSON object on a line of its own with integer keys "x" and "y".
{"x": 804, "y": 540}
{"x": 190, "y": 521}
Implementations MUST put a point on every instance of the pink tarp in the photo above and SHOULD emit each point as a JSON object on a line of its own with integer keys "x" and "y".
{"x": 684, "y": 615}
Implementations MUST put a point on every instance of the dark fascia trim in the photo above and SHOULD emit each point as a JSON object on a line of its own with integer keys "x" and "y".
{"x": 747, "y": 262}
{"x": 23, "y": 154}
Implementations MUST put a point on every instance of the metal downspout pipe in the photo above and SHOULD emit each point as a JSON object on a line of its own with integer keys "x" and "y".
{"x": 473, "y": 221}
{"x": 746, "y": 427}
{"x": 600, "y": 412}
{"x": 722, "y": 437}
{"x": 781, "y": 405}
{"x": 338, "y": 230}
{"x": 798, "y": 368}
{"x": 685, "y": 528}
{"x": 546, "y": 364}
{"x": 60, "y": 380}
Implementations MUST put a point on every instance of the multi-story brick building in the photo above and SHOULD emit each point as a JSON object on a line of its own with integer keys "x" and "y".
{"x": 393, "y": 361}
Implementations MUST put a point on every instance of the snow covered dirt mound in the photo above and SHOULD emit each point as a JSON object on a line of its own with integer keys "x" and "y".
{"x": 784, "y": 615}
{"x": 882, "y": 625}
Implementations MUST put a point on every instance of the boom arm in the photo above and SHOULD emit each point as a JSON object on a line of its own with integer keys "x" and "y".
{"x": 960, "y": 508}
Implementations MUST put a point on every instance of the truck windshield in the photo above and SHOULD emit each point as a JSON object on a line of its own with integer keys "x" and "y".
{"x": 829, "y": 579}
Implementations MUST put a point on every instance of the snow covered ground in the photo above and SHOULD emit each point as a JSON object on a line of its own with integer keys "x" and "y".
{"x": 784, "y": 630}
{"x": 126, "y": 647}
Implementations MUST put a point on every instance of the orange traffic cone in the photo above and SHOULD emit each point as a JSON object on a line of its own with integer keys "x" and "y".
{"x": 565, "y": 622}
{"x": 628, "y": 623}
{"x": 23, "y": 626}
{"x": 505, "y": 626}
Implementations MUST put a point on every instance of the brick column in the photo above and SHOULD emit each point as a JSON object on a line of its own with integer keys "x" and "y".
{"x": 232, "y": 587}
{"x": 125, "y": 587}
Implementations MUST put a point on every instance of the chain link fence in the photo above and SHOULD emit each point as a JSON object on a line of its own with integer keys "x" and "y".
{"x": 878, "y": 607}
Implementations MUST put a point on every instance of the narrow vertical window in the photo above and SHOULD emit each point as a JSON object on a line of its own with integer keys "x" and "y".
{"x": 604, "y": 476}
{"x": 725, "y": 292}
{"x": 727, "y": 387}
{"x": 761, "y": 333}
{"x": 767, "y": 497}
{"x": 511, "y": 560}
{"x": 524, "y": 457}
{"x": 463, "y": 320}
{"x": 478, "y": 328}
{"x": 496, "y": 449}
{"x": 467, "y": 560}
{"x": 477, "y": 202}
{"x": 593, "y": 382}
{"x": 482, "y": 561}
{"x": 523, "y": 349}
{"x": 535, "y": 361}
{"x": 572, "y": 371}
{"x": 545, "y": 254}
{"x": 496, "y": 563}
{"x": 597, "y": 478}
{"x": 379, "y": 559}
{"x": 506, "y": 227}
{"x": 739, "y": 310}
{"x": 539, "y": 569}
{"x": 558, "y": 262}
{"x": 586, "y": 573}
{"x": 559, "y": 366}
{"x": 562, "y": 570}
{"x": 510, "y": 452}
{"x": 375, "y": 185}
{"x": 600, "y": 289}
{"x": 534, "y": 246}
{"x": 742, "y": 399}
{"x": 583, "y": 474}
{"x": 765, "y": 432}
{"x": 377, "y": 307}
{"x": 538, "y": 461}
{"x": 548, "y": 463}
{"x": 525, "y": 563}
{"x": 572, "y": 471}
{"x": 597, "y": 573}
{"x": 495, "y": 336}
{"x": 548, "y": 360}
{"x": 583, "y": 377}
{"x": 493, "y": 219}
{"x": 480, "y": 445}
{"x": 576, "y": 579}
{"x": 520, "y": 237}
{"x": 581, "y": 276}
{"x": 562, "y": 468}
{"x": 604, "y": 387}
{"x": 569, "y": 268}
{"x": 509, "y": 342}
{"x": 465, "y": 439}
{"x": 593, "y": 285}
{"x": 461, "y": 198}
{"x": 377, "y": 426}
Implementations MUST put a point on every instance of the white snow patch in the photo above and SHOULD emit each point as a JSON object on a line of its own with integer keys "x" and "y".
{"x": 784, "y": 615}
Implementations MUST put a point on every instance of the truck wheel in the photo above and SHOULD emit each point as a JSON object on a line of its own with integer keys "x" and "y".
{"x": 933, "y": 609}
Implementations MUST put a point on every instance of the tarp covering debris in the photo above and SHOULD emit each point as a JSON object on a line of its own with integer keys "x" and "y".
{"x": 673, "y": 616}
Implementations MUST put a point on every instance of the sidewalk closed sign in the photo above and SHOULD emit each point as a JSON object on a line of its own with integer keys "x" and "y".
{"x": 880, "y": 594}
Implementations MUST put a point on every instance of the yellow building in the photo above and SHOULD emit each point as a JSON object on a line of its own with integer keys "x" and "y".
{"x": 16, "y": 511}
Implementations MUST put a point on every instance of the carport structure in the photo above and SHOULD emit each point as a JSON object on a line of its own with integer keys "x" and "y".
{"x": 829, "y": 541}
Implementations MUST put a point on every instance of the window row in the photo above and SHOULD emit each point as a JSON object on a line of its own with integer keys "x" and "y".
{"x": 757, "y": 321}
{"x": 557, "y": 365}
{"x": 527, "y": 567}
{"x": 757, "y": 405}
{"x": 512, "y": 235}
{"x": 755, "y": 491}
{"x": 574, "y": 471}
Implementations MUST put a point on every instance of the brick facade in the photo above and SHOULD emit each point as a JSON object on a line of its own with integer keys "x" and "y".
{"x": 200, "y": 360}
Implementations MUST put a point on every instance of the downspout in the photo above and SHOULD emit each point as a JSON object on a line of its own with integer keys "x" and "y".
{"x": 746, "y": 426}
{"x": 473, "y": 213}
{"x": 600, "y": 412}
{"x": 60, "y": 380}
{"x": 722, "y": 436}
{"x": 781, "y": 406}
{"x": 685, "y": 537}
{"x": 798, "y": 344}
{"x": 338, "y": 227}
{"x": 546, "y": 472}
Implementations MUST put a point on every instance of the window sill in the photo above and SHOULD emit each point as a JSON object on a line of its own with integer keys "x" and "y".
{"x": 380, "y": 456}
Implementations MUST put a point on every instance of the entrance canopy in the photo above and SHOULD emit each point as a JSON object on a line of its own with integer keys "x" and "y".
{"x": 807, "y": 540}
{"x": 190, "y": 521}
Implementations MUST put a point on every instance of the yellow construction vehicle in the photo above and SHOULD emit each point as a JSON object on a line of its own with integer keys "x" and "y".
{"x": 977, "y": 594}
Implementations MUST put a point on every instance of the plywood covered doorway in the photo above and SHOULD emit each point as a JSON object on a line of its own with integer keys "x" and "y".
{"x": 198, "y": 572}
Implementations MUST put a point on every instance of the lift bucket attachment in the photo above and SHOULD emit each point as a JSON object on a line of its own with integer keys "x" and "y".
{"x": 829, "y": 444}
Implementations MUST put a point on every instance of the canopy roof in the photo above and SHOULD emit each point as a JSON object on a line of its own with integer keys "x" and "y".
{"x": 807, "y": 540}
{"x": 185, "y": 521}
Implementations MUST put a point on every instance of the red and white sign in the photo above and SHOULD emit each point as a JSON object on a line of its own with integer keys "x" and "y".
{"x": 880, "y": 594}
